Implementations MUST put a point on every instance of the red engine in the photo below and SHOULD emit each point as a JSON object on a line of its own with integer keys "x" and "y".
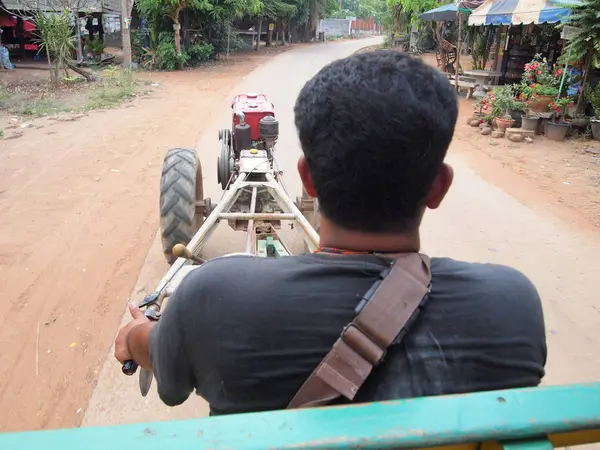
{"x": 253, "y": 107}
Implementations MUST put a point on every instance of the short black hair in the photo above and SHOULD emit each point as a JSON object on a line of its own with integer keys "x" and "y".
{"x": 375, "y": 128}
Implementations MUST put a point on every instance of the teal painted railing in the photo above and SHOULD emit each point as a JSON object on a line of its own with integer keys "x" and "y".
{"x": 520, "y": 419}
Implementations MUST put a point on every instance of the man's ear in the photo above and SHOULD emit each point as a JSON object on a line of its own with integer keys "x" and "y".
{"x": 440, "y": 186}
{"x": 305, "y": 177}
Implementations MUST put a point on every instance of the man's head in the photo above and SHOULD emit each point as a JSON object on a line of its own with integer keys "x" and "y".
{"x": 374, "y": 129}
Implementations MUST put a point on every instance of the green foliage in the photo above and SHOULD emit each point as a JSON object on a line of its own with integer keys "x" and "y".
{"x": 55, "y": 38}
{"x": 480, "y": 40}
{"x": 95, "y": 47}
{"x": 116, "y": 87}
{"x": 200, "y": 53}
{"x": 538, "y": 79}
{"x": 585, "y": 16}
{"x": 499, "y": 102}
{"x": 167, "y": 57}
{"x": 593, "y": 95}
{"x": 413, "y": 8}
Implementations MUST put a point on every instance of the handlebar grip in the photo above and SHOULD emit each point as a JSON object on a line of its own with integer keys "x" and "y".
{"x": 129, "y": 367}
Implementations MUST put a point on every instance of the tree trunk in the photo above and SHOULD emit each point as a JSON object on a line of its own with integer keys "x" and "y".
{"x": 259, "y": 34}
{"x": 177, "y": 30}
{"x": 270, "y": 35}
{"x": 439, "y": 27}
{"x": 283, "y": 27}
{"x": 78, "y": 48}
{"x": 580, "y": 108}
{"x": 52, "y": 77}
{"x": 89, "y": 76}
{"x": 126, "y": 6}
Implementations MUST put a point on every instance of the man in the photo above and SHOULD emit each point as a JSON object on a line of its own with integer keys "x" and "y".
{"x": 247, "y": 332}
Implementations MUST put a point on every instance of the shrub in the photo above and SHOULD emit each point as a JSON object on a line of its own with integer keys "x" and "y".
{"x": 200, "y": 53}
{"x": 166, "y": 54}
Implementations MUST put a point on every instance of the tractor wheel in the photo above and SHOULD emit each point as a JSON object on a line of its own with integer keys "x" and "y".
{"x": 180, "y": 188}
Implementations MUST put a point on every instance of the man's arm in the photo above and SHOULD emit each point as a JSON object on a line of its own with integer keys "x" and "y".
{"x": 161, "y": 346}
{"x": 132, "y": 341}
{"x": 138, "y": 343}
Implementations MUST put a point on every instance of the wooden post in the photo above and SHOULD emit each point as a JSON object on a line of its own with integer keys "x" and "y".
{"x": 259, "y": 33}
{"x": 458, "y": 48}
{"x": 228, "y": 36}
{"x": 126, "y": 6}
{"x": 270, "y": 35}
{"x": 580, "y": 108}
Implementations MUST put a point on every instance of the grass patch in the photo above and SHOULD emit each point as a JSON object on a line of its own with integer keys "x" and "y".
{"x": 116, "y": 87}
{"x": 22, "y": 105}
{"x": 37, "y": 99}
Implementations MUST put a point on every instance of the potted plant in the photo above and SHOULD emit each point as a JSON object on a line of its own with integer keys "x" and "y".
{"x": 481, "y": 107}
{"x": 529, "y": 121}
{"x": 503, "y": 101}
{"x": 556, "y": 129}
{"x": 539, "y": 85}
{"x": 593, "y": 95}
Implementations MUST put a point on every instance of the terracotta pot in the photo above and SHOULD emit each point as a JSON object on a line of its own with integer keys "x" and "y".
{"x": 557, "y": 131}
{"x": 503, "y": 124}
{"x": 540, "y": 103}
{"x": 595, "y": 125}
{"x": 530, "y": 123}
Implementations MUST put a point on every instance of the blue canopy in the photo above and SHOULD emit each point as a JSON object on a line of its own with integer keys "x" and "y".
{"x": 517, "y": 12}
{"x": 441, "y": 14}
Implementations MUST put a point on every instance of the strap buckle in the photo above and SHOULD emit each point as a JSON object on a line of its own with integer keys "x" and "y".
{"x": 362, "y": 344}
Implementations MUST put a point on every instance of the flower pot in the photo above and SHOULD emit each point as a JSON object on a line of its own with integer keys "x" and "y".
{"x": 595, "y": 125}
{"x": 517, "y": 115}
{"x": 503, "y": 124}
{"x": 557, "y": 131}
{"x": 580, "y": 122}
{"x": 530, "y": 123}
{"x": 540, "y": 103}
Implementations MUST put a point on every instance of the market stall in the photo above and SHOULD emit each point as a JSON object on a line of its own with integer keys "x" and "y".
{"x": 525, "y": 28}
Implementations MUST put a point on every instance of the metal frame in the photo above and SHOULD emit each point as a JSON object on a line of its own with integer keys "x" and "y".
{"x": 518, "y": 419}
{"x": 222, "y": 212}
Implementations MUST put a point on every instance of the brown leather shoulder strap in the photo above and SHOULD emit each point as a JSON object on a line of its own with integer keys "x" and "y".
{"x": 364, "y": 341}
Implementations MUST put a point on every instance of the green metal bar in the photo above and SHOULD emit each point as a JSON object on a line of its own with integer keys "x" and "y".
{"x": 261, "y": 249}
{"x": 515, "y": 415}
{"x": 533, "y": 444}
{"x": 279, "y": 249}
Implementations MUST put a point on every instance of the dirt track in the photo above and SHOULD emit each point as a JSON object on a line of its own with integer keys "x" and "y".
{"x": 78, "y": 212}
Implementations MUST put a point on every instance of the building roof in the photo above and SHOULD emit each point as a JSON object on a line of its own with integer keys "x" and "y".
{"x": 107, "y": 6}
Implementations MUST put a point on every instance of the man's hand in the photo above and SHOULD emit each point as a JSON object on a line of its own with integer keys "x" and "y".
{"x": 122, "y": 346}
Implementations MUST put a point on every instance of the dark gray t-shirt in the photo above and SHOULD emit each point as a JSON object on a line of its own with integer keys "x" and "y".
{"x": 246, "y": 332}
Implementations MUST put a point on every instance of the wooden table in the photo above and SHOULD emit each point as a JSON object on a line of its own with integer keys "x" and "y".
{"x": 481, "y": 78}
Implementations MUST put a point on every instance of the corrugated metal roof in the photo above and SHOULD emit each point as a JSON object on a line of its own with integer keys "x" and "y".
{"x": 113, "y": 6}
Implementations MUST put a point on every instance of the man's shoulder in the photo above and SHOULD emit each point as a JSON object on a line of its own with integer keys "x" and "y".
{"x": 478, "y": 272}
{"x": 487, "y": 282}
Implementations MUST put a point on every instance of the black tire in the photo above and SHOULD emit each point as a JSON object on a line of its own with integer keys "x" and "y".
{"x": 180, "y": 188}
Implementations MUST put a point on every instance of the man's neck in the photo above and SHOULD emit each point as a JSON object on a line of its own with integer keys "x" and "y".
{"x": 335, "y": 237}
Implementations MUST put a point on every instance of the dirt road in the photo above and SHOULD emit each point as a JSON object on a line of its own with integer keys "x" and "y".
{"x": 78, "y": 212}
{"x": 91, "y": 237}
